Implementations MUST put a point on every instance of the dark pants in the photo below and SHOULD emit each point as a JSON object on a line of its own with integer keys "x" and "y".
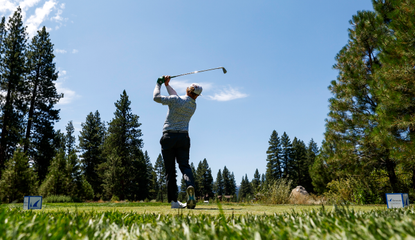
{"x": 176, "y": 147}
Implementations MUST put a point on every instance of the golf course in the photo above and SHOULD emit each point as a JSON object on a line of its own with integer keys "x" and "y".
{"x": 206, "y": 221}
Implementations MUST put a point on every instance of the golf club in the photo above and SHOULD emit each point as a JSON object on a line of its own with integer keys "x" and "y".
{"x": 161, "y": 80}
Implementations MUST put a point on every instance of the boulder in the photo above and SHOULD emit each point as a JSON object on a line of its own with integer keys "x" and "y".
{"x": 300, "y": 196}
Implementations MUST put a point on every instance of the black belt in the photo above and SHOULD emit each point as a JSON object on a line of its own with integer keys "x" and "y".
{"x": 175, "y": 131}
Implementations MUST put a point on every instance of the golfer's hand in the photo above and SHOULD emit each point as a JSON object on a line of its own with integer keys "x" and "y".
{"x": 167, "y": 80}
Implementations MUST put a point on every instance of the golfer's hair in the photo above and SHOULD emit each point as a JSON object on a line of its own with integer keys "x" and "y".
{"x": 190, "y": 90}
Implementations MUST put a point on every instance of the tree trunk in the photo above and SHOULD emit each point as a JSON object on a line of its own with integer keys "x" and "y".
{"x": 30, "y": 118}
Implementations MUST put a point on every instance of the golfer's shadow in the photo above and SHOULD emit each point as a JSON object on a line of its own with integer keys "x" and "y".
{"x": 217, "y": 209}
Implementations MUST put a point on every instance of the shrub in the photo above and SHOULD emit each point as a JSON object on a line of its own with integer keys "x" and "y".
{"x": 276, "y": 192}
{"x": 58, "y": 199}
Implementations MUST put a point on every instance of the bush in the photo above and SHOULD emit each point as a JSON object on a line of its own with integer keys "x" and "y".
{"x": 276, "y": 192}
{"x": 351, "y": 190}
{"x": 58, "y": 199}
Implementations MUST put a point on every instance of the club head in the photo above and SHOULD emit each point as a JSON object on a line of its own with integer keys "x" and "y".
{"x": 224, "y": 70}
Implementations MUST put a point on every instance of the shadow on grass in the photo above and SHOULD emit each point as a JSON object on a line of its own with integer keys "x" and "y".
{"x": 217, "y": 209}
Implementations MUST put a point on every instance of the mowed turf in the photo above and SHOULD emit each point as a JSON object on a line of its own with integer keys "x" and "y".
{"x": 208, "y": 221}
{"x": 201, "y": 208}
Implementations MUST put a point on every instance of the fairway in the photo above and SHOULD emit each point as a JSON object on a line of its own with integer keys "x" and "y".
{"x": 201, "y": 208}
{"x": 235, "y": 221}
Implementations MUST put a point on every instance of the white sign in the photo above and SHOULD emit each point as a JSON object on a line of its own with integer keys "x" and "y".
{"x": 397, "y": 200}
{"x": 32, "y": 202}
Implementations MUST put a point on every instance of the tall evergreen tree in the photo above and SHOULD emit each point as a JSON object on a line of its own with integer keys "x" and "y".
{"x": 397, "y": 82}
{"x": 42, "y": 94}
{"x": 299, "y": 173}
{"x": 91, "y": 141}
{"x": 256, "y": 181}
{"x": 64, "y": 178}
{"x": 70, "y": 138}
{"x": 286, "y": 155}
{"x": 353, "y": 114}
{"x": 274, "y": 166}
{"x": 320, "y": 172}
{"x": 245, "y": 189}
{"x": 19, "y": 179}
{"x": 160, "y": 171}
{"x": 13, "y": 72}
{"x": 312, "y": 152}
{"x": 219, "y": 185}
{"x": 124, "y": 136}
{"x": 149, "y": 176}
{"x": 204, "y": 180}
{"x": 227, "y": 182}
{"x": 233, "y": 185}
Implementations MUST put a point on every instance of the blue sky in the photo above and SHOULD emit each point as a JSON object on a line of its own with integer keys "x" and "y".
{"x": 279, "y": 56}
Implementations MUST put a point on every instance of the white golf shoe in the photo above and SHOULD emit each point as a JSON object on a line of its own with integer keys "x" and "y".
{"x": 177, "y": 204}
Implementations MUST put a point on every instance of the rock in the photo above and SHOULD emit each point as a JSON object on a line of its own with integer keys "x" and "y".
{"x": 299, "y": 191}
{"x": 299, "y": 196}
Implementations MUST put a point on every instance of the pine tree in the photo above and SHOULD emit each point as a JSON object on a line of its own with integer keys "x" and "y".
{"x": 64, "y": 178}
{"x": 42, "y": 97}
{"x": 219, "y": 185}
{"x": 91, "y": 141}
{"x": 353, "y": 117}
{"x": 274, "y": 168}
{"x": 18, "y": 180}
{"x": 256, "y": 181}
{"x": 182, "y": 193}
{"x": 149, "y": 176}
{"x": 321, "y": 174}
{"x": 286, "y": 155}
{"x": 245, "y": 189}
{"x": 124, "y": 135}
{"x": 160, "y": 171}
{"x": 397, "y": 82}
{"x": 198, "y": 178}
{"x": 113, "y": 185}
{"x": 227, "y": 184}
{"x": 299, "y": 173}
{"x": 204, "y": 180}
{"x": 70, "y": 138}
{"x": 13, "y": 72}
{"x": 234, "y": 188}
{"x": 312, "y": 152}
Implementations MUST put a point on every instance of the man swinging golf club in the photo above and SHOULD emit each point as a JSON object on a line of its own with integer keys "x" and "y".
{"x": 175, "y": 142}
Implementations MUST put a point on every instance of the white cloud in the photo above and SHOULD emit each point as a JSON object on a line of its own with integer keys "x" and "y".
{"x": 40, "y": 15}
{"x": 75, "y": 51}
{"x": 34, "y": 21}
{"x": 60, "y": 51}
{"x": 68, "y": 94}
{"x": 228, "y": 94}
{"x": 58, "y": 17}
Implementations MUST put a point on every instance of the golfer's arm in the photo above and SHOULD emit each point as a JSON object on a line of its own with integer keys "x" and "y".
{"x": 170, "y": 90}
{"x": 156, "y": 93}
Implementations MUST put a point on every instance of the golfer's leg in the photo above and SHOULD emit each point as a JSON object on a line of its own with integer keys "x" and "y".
{"x": 168, "y": 143}
{"x": 170, "y": 165}
{"x": 183, "y": 161}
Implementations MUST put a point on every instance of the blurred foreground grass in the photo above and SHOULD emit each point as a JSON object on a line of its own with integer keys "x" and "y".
{"x": 65, "y": 221}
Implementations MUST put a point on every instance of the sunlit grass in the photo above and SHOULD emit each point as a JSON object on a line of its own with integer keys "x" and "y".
{"x": 230, "y": 221}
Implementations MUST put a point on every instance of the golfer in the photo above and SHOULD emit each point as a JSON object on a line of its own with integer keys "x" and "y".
{"x": 175, "y": 142}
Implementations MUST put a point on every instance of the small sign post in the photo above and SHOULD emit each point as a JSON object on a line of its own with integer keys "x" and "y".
{"x": 397, "y": 200}
{"x": 32, "y": 202}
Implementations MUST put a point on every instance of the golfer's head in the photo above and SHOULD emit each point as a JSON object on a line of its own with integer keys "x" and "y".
{"x": 194, "y": 90}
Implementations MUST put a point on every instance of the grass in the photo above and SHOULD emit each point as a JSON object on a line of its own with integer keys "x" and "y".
{"x": 227, "y": 221}
{"x": 201, "y": 208}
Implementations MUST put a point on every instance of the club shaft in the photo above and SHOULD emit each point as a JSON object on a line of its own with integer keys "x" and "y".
{"x": 196, "y": 72}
